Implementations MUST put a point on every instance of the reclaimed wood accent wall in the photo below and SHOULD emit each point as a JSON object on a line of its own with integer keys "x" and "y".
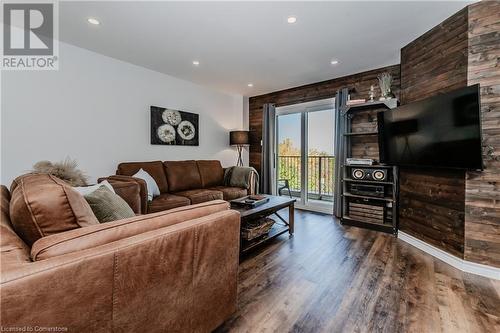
{"x": 359, "y": 83}
{"x": 454, "y": 210}
{"x": 432, "y": 201}
{"x": 482, "y": 198}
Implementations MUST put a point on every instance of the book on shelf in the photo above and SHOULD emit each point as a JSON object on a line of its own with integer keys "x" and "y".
{"x": 359, "y": 161}
{"x": 355, "y": 101}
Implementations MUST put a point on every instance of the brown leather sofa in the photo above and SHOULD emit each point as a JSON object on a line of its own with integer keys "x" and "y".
{"x": 181, "y": 183}
{"x": 172, "y": 271}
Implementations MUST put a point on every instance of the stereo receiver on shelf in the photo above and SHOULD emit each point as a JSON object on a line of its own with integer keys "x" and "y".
{"x": 368, "y": 190}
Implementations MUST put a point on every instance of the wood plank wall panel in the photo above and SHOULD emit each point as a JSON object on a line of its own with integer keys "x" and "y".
{"x": 436, "y": 62}
{"x": 432, "y": 207}
{"x": 360, "y": 84}
{"x": 482, "y": 202}
{"x": 432, "y": 201}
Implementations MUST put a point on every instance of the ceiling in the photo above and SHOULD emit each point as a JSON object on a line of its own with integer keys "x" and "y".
{"x": 238, "y": 43}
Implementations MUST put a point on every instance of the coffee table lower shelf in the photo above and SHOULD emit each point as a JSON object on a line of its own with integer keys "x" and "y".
{"x": 272, "y": 207}
{"x": 276, "y": 230}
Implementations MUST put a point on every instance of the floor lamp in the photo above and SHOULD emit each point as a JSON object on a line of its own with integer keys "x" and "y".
{"x": 239, "y": 139}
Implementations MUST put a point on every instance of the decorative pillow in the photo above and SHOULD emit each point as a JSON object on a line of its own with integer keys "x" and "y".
{"x": 84, "y": 190}
{"x": 153, "y": 189}
{"x": 43, "y": 205}
{"x": 108, "y": 206}
{"x": 66, "y": 170}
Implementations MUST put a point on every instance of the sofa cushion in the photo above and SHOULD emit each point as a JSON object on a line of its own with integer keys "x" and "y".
{"x": 201, "y": 195}
{"x": 211, "y": 173}
{"x": 43, "y": 205}
{"x": 167, "y": 201}
{"x": 108, "y": 206}
{"x": 231, "y": 193}
{"x": 182, "y": 175}
{"x": 154, "y": 168}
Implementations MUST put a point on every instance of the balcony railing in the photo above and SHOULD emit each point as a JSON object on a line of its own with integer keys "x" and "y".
{"x": 320, "y": 174}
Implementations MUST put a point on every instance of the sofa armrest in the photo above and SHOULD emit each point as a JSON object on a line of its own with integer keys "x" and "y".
{"x": 143, "y": 190}
{"x": 100, "y": 234}
{"x": 254, "y": 185}
{"x": 162, "y": 280}
{"x": 129, "y": 191}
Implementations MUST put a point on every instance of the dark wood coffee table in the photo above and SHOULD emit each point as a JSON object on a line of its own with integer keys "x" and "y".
{"x": 282, "y": 226}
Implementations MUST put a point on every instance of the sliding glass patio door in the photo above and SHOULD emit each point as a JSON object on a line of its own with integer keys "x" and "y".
{"x": 305, "y": 159}
{"x": 320, "y": 159}
{"x": 290, "y": 162}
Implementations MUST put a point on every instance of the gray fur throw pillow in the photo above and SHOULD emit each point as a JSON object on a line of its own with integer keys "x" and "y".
{"x": 66, "y": 170}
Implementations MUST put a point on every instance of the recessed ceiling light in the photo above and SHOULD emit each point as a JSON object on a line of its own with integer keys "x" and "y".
{"x": 93, "y": 21}
{"x": 291, "y": 19}
{"x": 250, "y": 85}
{"x": 196, "y": 63}
{"x": 334, "y": 62}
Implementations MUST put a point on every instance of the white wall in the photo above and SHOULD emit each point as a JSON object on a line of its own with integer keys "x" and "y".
{"x": 95, "y": 109}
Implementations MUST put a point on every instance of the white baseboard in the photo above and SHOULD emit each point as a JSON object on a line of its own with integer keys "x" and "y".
{"x": 463, "y": 265}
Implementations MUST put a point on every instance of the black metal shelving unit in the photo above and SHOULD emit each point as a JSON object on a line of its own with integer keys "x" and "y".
{"x": 373, "y": 212}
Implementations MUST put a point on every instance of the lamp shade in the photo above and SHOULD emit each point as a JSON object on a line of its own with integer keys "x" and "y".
{"x": 238, "y": 138}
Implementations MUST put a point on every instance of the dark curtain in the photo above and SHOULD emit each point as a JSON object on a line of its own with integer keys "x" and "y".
{"x": 268, "y": 158}
{"x": 340, "y": 102}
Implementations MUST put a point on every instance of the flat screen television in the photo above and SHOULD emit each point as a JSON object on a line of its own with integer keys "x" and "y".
{"x": 440, "y": 131}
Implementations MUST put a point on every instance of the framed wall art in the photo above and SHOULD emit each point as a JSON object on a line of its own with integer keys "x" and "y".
{"x": 174, "y": 127}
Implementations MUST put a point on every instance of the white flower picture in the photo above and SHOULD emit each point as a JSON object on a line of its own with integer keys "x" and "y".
{"x": 186, "y": 130}
{"x": 166, "y": 133}
{"x": 174, "y": 127}
{"x": 172, "y": 117}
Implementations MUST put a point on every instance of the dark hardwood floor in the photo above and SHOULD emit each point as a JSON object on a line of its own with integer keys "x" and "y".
{"x": 330, "y": 278}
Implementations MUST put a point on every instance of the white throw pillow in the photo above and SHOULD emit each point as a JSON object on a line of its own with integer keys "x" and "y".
{"x": 153, "y": 189}
{"x": 85, "y": 190}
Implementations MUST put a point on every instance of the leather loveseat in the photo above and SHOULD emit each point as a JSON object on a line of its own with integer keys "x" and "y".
{"x": 172, "y": 271}
{"x": 181, "y": 183}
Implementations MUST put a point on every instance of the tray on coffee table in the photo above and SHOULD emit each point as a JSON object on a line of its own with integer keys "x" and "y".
{"x": 250, "y": 201}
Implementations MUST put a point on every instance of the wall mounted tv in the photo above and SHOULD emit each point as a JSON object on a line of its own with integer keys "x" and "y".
{"x": 440, "y": 131}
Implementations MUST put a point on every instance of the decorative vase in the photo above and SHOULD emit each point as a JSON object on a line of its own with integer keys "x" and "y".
{"x": 385, "y": 82}
{"x": 389, "y": 95}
